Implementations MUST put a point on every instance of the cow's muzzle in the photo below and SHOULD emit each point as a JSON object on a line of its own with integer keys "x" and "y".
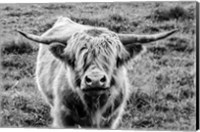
{"x": 95, "y": 82}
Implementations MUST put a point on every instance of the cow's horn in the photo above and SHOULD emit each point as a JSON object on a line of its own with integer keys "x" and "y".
{"x": 134, "y": 38}
{"x": 41, "y": 39}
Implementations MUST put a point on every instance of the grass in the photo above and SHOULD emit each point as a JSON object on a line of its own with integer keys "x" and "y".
{"x": 162, "y": 82}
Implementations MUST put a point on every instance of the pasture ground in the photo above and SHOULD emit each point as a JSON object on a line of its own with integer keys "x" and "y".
{"x": 162, "y": 80}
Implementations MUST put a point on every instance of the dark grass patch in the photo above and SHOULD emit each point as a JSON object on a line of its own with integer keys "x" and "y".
{"x": 26, "y": 14}
{"x": 17, "y": 46}
{"x": 150, "y": 29}
{"x": 118, "y": 18}
{"x": 176, "y": 12}
{"x": 7, "y": 8}
{"x": 105, "y": 6}
{"x": 32, "y": 13}
{"x": 186, "y": 93}
{"x": 14, "y": 62}
{"x": 58, "y": 6}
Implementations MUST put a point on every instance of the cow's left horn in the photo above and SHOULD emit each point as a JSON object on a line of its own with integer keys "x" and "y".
{"x": 41, "y": 39}
{"x": 134, "y": 38}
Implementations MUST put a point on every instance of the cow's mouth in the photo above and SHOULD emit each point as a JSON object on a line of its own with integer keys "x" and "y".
{"x": 97, "y": 90}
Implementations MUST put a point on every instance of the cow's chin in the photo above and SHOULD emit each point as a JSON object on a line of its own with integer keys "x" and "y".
{"x": 96, "y": 98}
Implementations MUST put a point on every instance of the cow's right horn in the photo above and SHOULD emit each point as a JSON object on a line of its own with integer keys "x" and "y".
{"x": 134, "y": 38}
{"x": 41, "y": 39}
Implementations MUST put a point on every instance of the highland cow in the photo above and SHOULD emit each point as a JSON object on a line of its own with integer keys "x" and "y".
{"x": 81, "y": 71}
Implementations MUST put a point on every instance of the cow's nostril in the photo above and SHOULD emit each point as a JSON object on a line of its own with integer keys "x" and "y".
{"x": 103, "y": 79}
{"x": 88, "y": 80}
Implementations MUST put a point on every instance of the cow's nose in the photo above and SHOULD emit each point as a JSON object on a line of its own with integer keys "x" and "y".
{"x": 95, "y": 80}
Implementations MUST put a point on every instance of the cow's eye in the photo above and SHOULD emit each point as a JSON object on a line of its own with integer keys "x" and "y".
{"x": 70, "y": 61}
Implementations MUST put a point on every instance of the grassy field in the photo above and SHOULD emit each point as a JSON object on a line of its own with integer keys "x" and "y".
{"x": 163, "y": 79}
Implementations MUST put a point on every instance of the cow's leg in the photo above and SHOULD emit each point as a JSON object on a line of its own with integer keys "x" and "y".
{"x": 117, "y": 117}
{"x": 62, "y": 115}
{"x": 56, "y": 113}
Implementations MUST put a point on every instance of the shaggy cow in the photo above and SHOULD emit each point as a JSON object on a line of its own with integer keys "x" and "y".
{"x": 81, "y": 72}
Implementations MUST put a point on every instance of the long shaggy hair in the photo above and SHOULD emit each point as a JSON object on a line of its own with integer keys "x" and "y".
{"x": 96, "y": 46}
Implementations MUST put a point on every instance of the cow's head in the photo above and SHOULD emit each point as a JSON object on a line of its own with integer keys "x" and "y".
{"x": 92, "y": 55}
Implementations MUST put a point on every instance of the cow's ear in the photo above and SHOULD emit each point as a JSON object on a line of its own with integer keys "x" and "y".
{"x": 57, "y": 49}
{"x": 134, "y": 50}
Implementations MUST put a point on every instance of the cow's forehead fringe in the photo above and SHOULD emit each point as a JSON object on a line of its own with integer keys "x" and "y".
{"x": 93, "y": 38}
{"x": 96, "y": 44}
